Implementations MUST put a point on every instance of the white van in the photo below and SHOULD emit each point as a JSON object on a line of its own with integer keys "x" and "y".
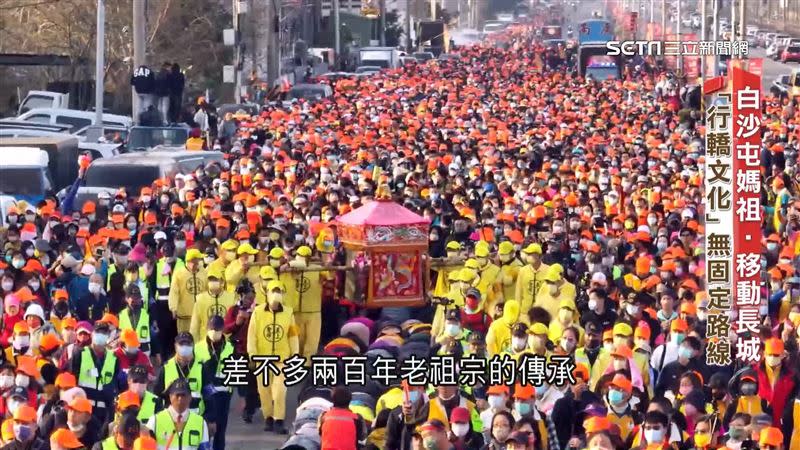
{"x": 79, "y": 121}
{"x": 24, "y": 174}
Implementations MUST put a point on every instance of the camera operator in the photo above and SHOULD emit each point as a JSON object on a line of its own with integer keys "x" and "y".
{"x": 237, "y": 319}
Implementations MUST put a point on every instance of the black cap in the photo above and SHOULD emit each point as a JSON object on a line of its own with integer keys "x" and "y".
{"x": 179, "y": 386}
{"x": 18, "y": 391}
{"x": 42, "y": 245}
{"x": 518, "y": 437}
{"x": 133, "y": 291}
{"x": 475, "y": 338}
{"x": 593, "y": 327}
{"x": 184, "y": 338}
{"x": 122, "y": 250}
{"x": 216, "y": 323}
{"x": 472, "y": 292}
{"x": 102, "y": 327}
{"x": 519, "y": 329}
{"x": 138, "y": 374}
{"x": 453, "y": 314}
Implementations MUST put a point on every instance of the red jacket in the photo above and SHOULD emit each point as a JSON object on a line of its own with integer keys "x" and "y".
{"x": 141, "y": 359}
{"x": 8, "y": 328}
{"x": 776, "y": 396}
{"x": 238, "y": 333}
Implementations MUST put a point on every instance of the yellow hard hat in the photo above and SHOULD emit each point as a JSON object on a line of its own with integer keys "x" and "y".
{"x": 453, "y": 245}
{"x": 304, "y": 251}
{"x": 230, "y": 244}
{"x": 246, "y": 248}
{"x": 533, "y": 249}
{"x": 276, "y": 253}
{"x": 193, "y": 254}
{"x": 276, "y": 284}
{"x": 268, "y": 273}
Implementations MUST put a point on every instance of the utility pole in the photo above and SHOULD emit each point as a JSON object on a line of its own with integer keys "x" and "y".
{"x": 652, "y": 12}
{"x": 678, "y": 33}
{"x": 139, "y": 52}
{"x": 408, "y": 26}
{"x": 96, "y": 130}
{"x": 433, "y": 9}
{"x": 742, "y": 23}
{"x": 703, "y": 36}
{"x": 273, "y": 51}
{"x": 237, "y": 53}
{"x": 663, "y": 20}
{"x": 382, "y": 23}
{"x": 337, "y": 38}
{"x": 715, "y": 35}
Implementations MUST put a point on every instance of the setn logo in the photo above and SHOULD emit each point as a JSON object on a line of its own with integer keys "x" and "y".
{"x": 632, "y": 48}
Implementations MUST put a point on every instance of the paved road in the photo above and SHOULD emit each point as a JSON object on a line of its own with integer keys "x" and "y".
{"x": 772, "y": 69}
{"x": 242, "y": 436}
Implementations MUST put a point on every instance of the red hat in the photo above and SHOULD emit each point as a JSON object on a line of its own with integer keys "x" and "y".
{"x": 459, "y": 415}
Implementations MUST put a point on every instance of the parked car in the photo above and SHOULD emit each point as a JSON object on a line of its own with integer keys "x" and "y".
{"x": 423, "y": 56}
{"x": 780, "y": 86}
{"x": 79, "y": 121}
{"x": 791, "y": 54}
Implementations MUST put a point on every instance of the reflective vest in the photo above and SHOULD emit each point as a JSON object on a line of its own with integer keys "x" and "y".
{"x": 163, "y": 280}
{"x": 202, "y": 353}
{"x": 142, "y": 327}
{"x": 750, "y": 404}
{"x": 795, "y": 441}
{"x": 168, "y": 437}
{"x": 110, "y": 444}
{"x": 338, "y": 430}
{"x": 112, "y": 269}
{"x": 148, "y": 408}
{"x": 93, "y": 381}
{"x": 195, "y": 379}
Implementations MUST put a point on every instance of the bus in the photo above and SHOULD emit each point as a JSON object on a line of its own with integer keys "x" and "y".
{"x": 593, "y": 58}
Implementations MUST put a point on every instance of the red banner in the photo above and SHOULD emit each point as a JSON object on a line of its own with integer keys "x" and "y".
{"x": 746, "y": 137}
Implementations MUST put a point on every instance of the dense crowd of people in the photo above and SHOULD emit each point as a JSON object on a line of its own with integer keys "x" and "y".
{"x": 570, "y": 214}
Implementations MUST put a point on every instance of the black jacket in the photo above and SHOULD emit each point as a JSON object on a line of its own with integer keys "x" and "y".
{"x": 568, "y": 415}
{"x": 398, "y": 432}
{"x": 36, "y": 443}
{"x": 143, "y": 80}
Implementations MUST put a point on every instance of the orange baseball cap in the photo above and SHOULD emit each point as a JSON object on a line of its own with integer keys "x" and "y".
{"x": 129, "y": 338}
{"x": 65, "y": 438}
{"x": 771, "y": 436}
{"x": 80, "y": 404}
{"x": 144, "y": 443}
{"x": 66, "y": 380}
{"x": 21, "y": 327}
{"x": 581, "y": 371}
{"x": 497, "y": 390}
{"x": 25, "y": 413}
{"x": 622, "y": 382}
{"x": 49, "y": 342}
{"x": 678, "y": 325}
{"x": 110, "y": 319}
{"x": 596, "y": 424}
{"x": 524, "y": 392}
{"x": 622, "y": 351}
{"x": 773, "y": 346}
{"x": 128, "y": 399}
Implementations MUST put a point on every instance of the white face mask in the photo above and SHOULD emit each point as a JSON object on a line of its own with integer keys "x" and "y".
{"x": 6, "y": 381}
{"x": 496, "y": 401}
{"x": 592, "y": 304}
{"x": 21, "y": 342}
{"x": 519, "y": 343}
{"x": 214, "y": 335}
{"x": 22, "y": 380}
{"x": 460, "y": 429}
{"x": 94, "y": 288}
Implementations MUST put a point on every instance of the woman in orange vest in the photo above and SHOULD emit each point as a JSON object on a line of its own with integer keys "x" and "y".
{"x": 340, "y": 428}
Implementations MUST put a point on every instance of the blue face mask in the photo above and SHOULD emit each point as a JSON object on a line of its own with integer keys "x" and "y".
{"x": 413, "y": 396}
{"x": 615, "y": 397}
{"x": 523, "y": 409}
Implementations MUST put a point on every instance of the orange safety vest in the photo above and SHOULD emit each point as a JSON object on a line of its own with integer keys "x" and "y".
{"x": 338, "y": 430}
